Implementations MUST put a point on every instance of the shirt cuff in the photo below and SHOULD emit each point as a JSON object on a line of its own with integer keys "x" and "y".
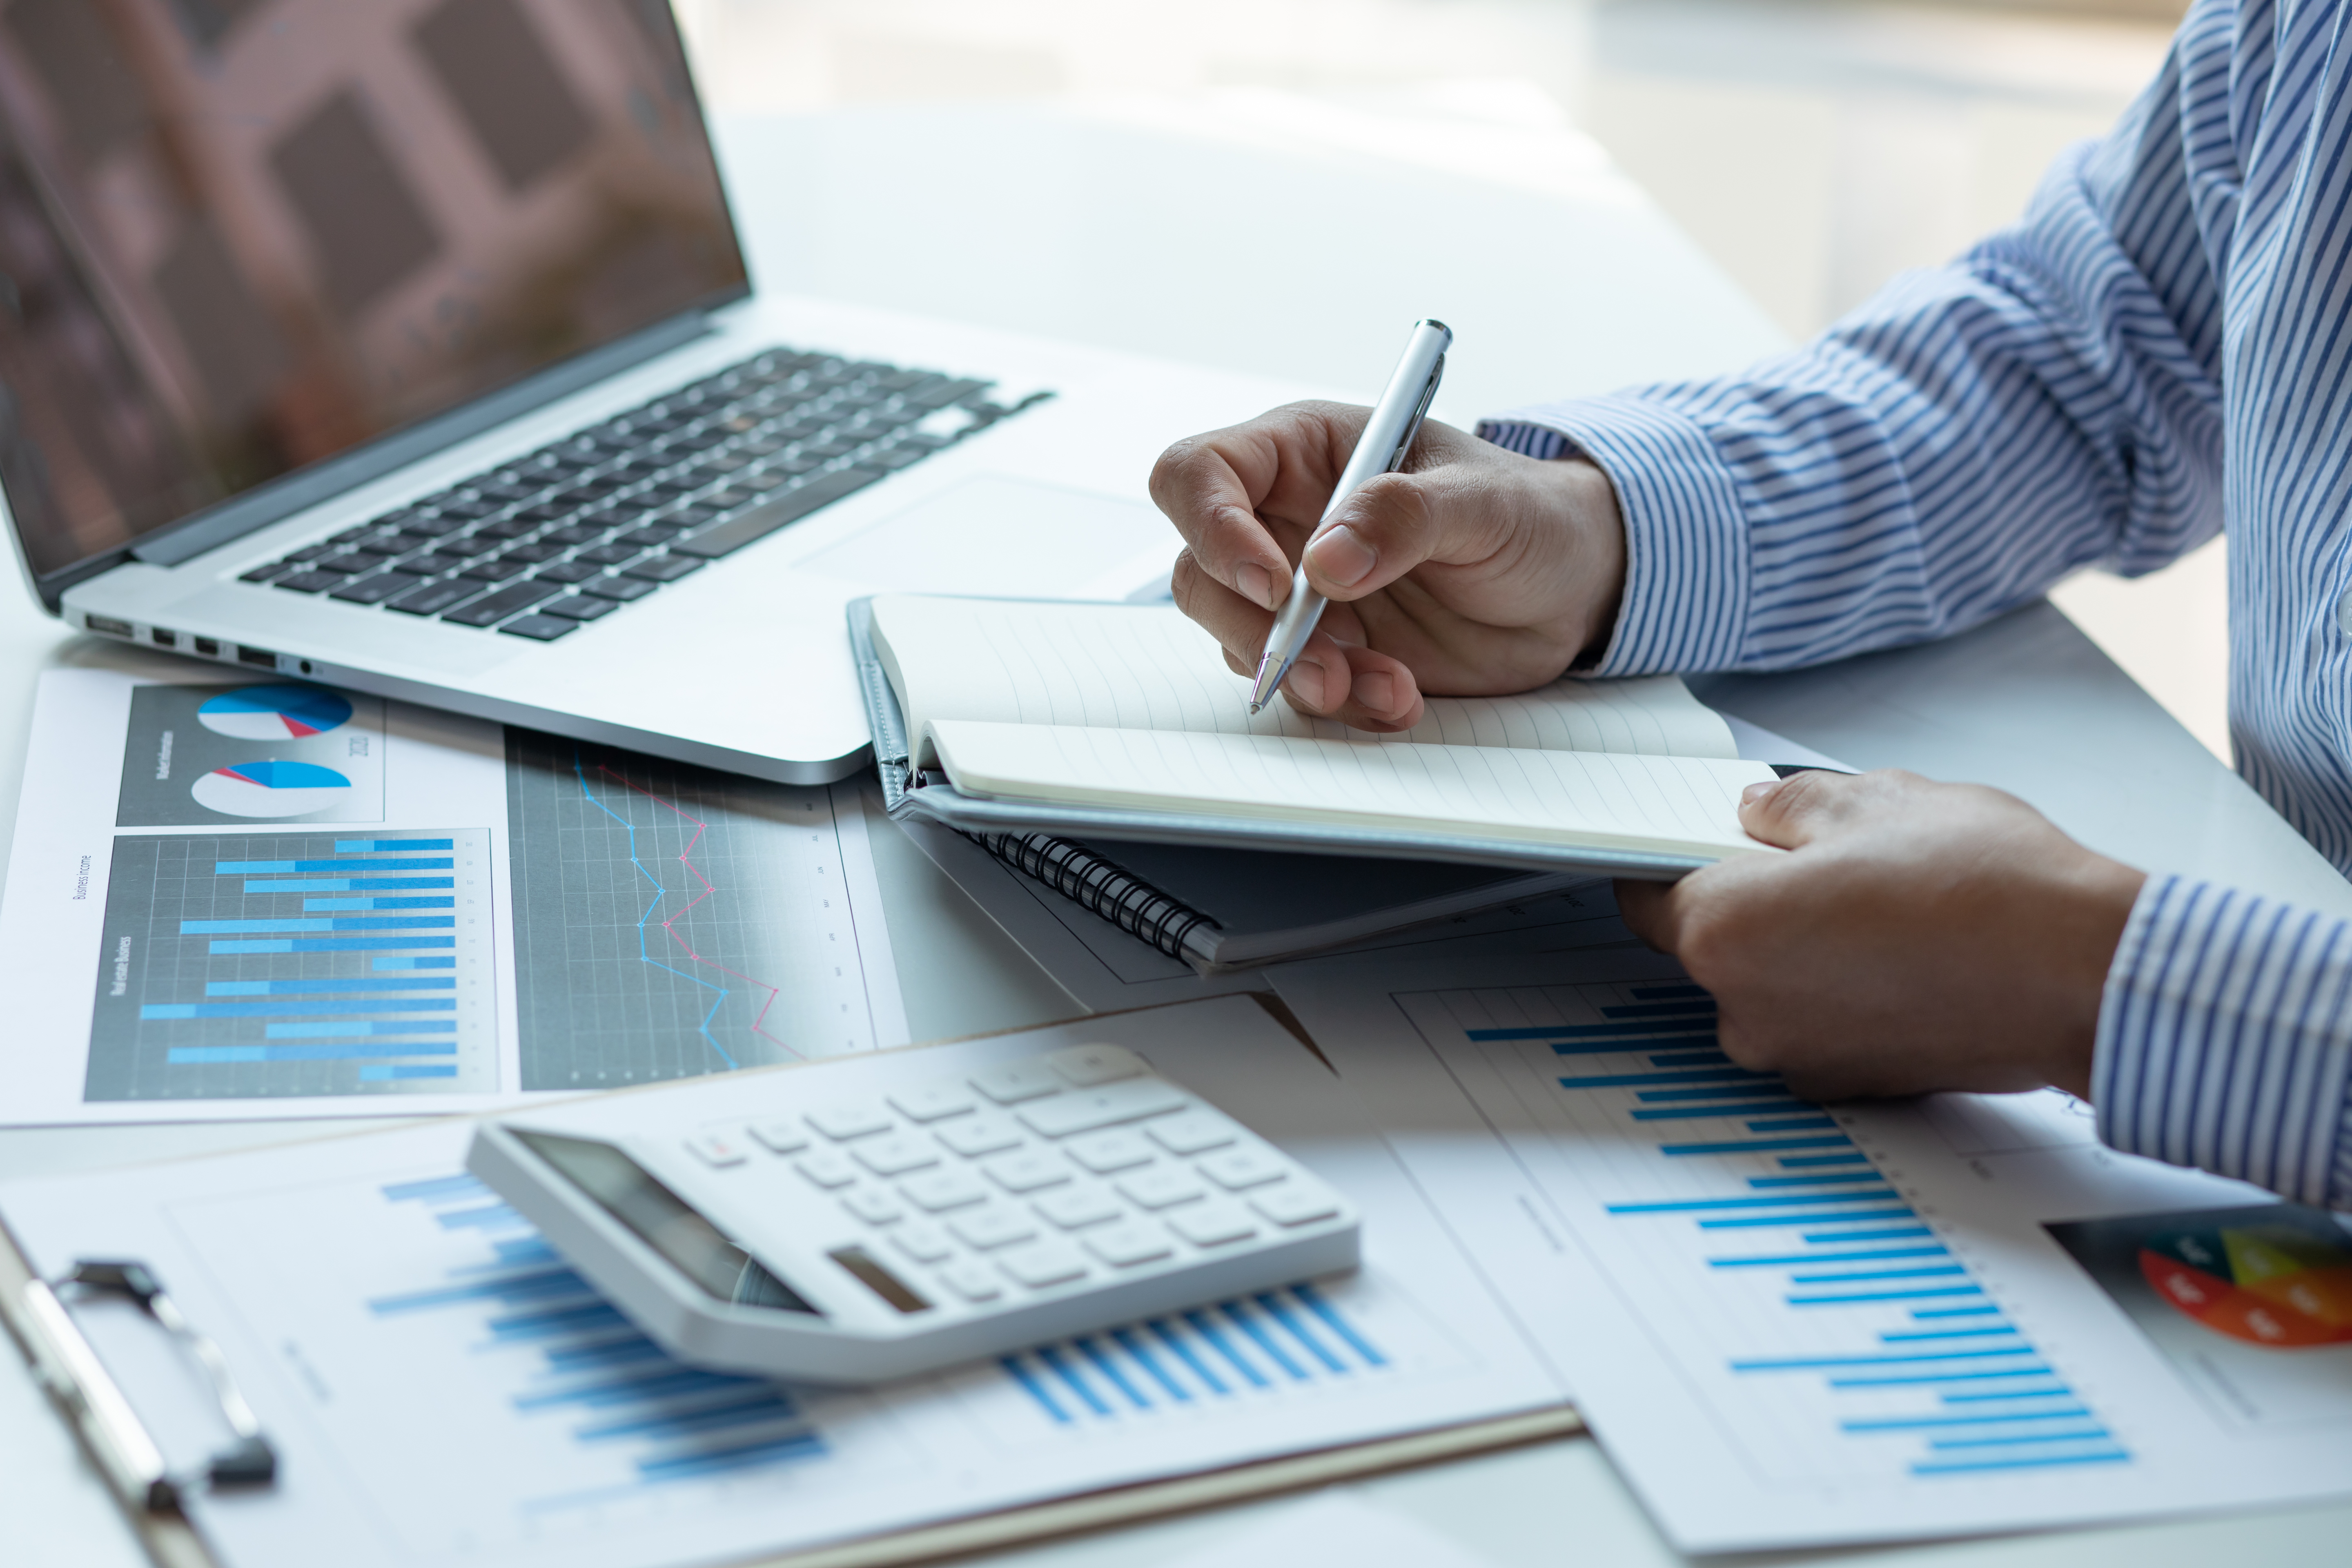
{"x": 1687, "y": 567}
{"x": 2225, "y": 1041}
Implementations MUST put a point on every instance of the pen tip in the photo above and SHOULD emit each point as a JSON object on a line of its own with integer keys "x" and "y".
{"x": 1254, "y": 708}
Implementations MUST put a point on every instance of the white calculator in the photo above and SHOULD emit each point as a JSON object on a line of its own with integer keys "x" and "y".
{"x": 775, "y": 1223}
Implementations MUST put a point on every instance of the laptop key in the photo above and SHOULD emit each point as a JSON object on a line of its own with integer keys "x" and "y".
{"x": 375, "y": 590}
{"x": 541, "y": 628}
{"x": 579, "y": 607}
{"x": 495, "y": 570}
{"x": 311, "y": 582}
{"x": 574, "y": 534}
{"x": 353, "y": 561}
{"x": 611, "y": 555}
{"x": 650, "y": 535}
{"x": 491, "y": 608}
{"x": 570, "y": 571}
{"x": 435, "y": 525}
{"x": 435, "y": 598}
{"x": 620, "y": 590}
{"x": 534, "y": 553}
{"x": 775, "y": 512}
{"x": 263, "y": 574}
{"x": 663, "y": 568}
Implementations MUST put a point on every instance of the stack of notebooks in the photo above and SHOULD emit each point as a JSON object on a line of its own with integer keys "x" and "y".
{"x": 1108, "y": 752}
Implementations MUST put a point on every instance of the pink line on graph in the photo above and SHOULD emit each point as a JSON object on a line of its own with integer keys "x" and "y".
{"x": 708, "y": 888}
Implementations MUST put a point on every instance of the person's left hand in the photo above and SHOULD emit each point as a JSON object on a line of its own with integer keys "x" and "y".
{"x": 1919, "y": 936}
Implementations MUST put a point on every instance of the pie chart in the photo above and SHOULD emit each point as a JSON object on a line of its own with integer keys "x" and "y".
{"x": 274, "y": 713}
{"x": 270, "y": 789}
{"x": 2276, "y": 1285}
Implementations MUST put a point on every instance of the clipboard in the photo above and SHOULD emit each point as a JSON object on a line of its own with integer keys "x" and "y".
{"x": 80, "y": 1385}
{"x": 932, "y": 796}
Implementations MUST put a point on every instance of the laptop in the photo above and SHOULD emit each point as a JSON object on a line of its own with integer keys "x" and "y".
{"x": 411, "y": 347}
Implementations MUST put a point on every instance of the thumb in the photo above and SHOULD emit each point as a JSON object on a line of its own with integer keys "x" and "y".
{"x": 1391, "y": 524}
{"x": 1793, "y": 812}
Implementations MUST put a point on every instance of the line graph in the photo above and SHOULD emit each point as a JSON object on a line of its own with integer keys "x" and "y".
{"x": 672, "y": 921}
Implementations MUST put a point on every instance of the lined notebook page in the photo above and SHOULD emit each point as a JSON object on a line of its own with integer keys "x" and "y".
{"x": 1148, "y": 668}
{"x": 1596, "y": 800}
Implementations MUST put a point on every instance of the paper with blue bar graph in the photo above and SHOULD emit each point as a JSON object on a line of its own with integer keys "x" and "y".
{"x": 266, "y": 897}
{"x": 1794, "y": 1324}
{"x": 445, "y": 1392}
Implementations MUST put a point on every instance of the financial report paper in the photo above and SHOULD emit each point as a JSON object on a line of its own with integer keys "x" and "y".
{"x": 1794, "y": 1324}
{"x": 444, "y": 1391}
{"x": 235, "y": 899}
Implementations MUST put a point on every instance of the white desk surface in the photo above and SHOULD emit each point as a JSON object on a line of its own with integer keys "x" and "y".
{"x": 1205, "y": 233}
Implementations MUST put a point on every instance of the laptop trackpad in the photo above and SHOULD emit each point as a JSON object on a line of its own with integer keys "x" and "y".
{"x": 993, "y": 534}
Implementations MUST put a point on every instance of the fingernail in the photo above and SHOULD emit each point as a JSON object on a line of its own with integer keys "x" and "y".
{"x": 1305, "y": 683}
{"x": 1342, "y": 556}
{"x": 1255, "y": 582}
{"x": 1377, "y": 693}
{"x": 1755, "y": 792}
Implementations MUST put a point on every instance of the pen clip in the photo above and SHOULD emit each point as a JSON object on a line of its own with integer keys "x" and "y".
{"x": 1421, "y": 412}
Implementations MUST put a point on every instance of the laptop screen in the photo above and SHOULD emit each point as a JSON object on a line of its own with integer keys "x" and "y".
{"x": 241, "y": 236}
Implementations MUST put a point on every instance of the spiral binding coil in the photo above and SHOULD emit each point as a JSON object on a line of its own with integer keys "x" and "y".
{"x": 1099, "y": 887}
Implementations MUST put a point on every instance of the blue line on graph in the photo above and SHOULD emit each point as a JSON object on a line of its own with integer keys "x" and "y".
{"x": 1813, "y": 1161}
{"x": 1787, "y": 1123}
{"x": 1224, "y": 1347}
{"x": 461, "y": 1186}
{"x": 1690, "y": 1059}
{"x": 1037, "y": 1391}
{"x": 551, "y": 1322}
{"x": 1118, "y": 1380}
{"x": 1819, "y": 1363}
{"x": 1583, "y": 1031}
{"x": 488, "y": 1217}
{"x": 1892, "y": 1338}
{"x": 1169, "y": 1337}
{"x": 1283, "y": 1314}
{"x": 1784, "y": 1200}
{"x": 1071, "y": 1380}
{"x": 1626, "y": 1047}
{"x": 1955, "y": 1312}
{"x": 1886, "y": 1296}
{"x": 298, "y": 1009}
{"x": 660, "y": 892}
{"x": 2087, "y": 1435}
{"x": 1720, "y": 1091}
{"x": 754, "y": 1407}
{"x": 206, "y": 1055}
{"x": 1821, "y": 1181}
{"x": 1897, "y": 1233}
{"x": 385, "y": 1074}
{"x": 1779, "y": 1258}
{"x": 1132, "y": 1343}
{"x": 1648, "y": 1080}
{"x": 334, "y": 944}
{"x": 535, "y": 1285}
{"x": 1697, "y": 1007}
{"x": 350, "y": 885}
{"x": 1923, "y": 1422}
{"x": 1246, "y": 1321}
{"x": 320, "y": 987}
{"x": 1744, "y": 1107}
{"x": 279, "y": 868}
{"x": 1858, "y": 1279}
{"x": 359, "y": 1031}
{"x": 2110, "y": 1455}
{"x": 2052, "y": 1391}
{"x": 1949, "y": 1377}
{"x": 371, "y": 846}
{"x": 383, "y": 963}
{"x": 1812, "y": 1218}
{"x": 371, "y": 901}
{"x": 1749, "y": 1145}
{"x": 337, "y": 922}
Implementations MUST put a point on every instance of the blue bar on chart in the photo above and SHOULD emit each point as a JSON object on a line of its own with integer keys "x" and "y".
{"x": 279, "y": 966}
{"x": 1860, "y": 1347}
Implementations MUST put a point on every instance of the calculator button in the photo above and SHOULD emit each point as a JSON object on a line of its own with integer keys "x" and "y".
{"x": 1162, "y": 1188}
{"x": 826, "y": 1169}
{"x": 1212, "y": 1225}
{"x": 1028, "y": 1171}
{"x": 932, "y": 1101}
{"x": 1103, "y": 1152}
{"x": 855, "y": 1120}
{"x": 1079, "y": 1206}
{"x": 1125, "y": 1246}
{"x": 923, "y": 1243}
{"x": 781, "y": 1136}
{"x": 1016, "y": 1081}
{"x": 973, "y": 1281}
{"x": 937, "y": 1191}
{"x": 1088, "y": 1065}
{"x": 992, "y": 1227}
{"x": 980, "y": 1135}
{"x": 1082, "y": 1111}
{"x": 720, "y": 1149}
{"x": 895, "y": 1155}
{"x": 1044, "y": 1263}
{"x": 1294, "y": 1203}
{"x": 1194, "y": 1132}
{"x": 873, "y": 1205}
{"x": 1237, "y": 1169}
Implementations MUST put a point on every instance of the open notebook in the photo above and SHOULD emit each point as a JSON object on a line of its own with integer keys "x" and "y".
{"x": 1119, "y": 721}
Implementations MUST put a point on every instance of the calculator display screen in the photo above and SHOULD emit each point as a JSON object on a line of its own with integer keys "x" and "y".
{"x": 665, "y": 1222}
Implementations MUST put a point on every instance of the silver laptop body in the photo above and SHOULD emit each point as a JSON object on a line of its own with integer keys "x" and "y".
{"x": 430, "y": 367}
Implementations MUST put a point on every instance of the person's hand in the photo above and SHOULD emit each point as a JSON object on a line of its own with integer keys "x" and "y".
{"x": 1472, "y": 572}
{"x": 1920, "y": 936}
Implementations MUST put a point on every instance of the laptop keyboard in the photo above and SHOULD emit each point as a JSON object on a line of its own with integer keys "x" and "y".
{"x": 542, "y": 545}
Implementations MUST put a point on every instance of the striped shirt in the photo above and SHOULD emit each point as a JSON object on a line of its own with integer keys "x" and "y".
{"x": 2160, "y": 347}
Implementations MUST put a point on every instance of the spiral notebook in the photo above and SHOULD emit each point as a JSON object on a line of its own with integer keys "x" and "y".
{"x": 1121, "y": 722}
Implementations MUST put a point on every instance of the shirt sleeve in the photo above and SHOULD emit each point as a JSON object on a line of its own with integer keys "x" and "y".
{"x": 2225, "y": 1040}
{"x": 1964, "y": 440}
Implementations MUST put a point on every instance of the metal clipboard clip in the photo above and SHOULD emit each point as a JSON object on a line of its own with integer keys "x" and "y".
{"x": 77, "y": 1380}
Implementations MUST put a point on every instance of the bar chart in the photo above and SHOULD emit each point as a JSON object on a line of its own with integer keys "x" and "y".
{"x": 1834, "y": 1332}
{"x": 274, "y": 965}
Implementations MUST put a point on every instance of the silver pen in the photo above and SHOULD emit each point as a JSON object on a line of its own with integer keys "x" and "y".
{"x": 1381, "y": 449}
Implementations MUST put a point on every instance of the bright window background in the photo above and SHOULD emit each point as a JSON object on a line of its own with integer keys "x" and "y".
{"x": 1811, "y": 147}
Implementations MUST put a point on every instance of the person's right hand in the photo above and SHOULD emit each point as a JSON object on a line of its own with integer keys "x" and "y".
{"x": 1472, "y": 572}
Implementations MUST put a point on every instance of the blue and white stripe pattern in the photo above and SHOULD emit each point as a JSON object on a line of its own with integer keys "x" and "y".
{"x": 2164, "y": 343}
